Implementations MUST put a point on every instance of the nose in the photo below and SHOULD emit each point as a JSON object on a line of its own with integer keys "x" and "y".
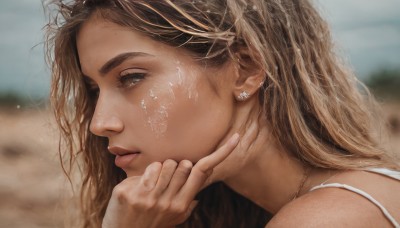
{"x": 105, "y": 121}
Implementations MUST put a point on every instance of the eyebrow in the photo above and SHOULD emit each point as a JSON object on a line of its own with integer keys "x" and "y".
{"x": 119, "y": 59}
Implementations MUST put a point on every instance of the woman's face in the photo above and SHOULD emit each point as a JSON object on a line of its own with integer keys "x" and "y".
{"x": 155, "y": 102}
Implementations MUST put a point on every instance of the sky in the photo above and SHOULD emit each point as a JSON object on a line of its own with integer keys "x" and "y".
{"x": 366, "y": 33}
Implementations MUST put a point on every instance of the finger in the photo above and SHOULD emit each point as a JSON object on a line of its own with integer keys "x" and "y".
{"x": 150, "y": 176}
{"x": 179, "y": 178}
{"x": 238, "y": 156}
{"x": 207, "y": 163}
{"x": 204, "y": 167}
{"x": 167, "y": 171}
{"x": 249, "y": 137}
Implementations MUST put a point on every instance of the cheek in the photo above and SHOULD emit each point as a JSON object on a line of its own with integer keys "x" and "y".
{"x": 198, "y": 128}
{"x": 155, "y": 108}
{"x": 183, "y": 117}
{"x": 187, "y": 120}
{"x": 176, "y": 94}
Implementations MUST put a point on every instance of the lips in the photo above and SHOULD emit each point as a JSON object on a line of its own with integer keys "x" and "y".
{"x": 123, "y": 157}
{"x": 121, "y": 151}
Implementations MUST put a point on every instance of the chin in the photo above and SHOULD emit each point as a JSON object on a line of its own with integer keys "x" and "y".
{"x": 132, "y": 173}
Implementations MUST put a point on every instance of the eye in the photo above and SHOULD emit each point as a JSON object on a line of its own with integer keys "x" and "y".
{"x": 130, "y": 78}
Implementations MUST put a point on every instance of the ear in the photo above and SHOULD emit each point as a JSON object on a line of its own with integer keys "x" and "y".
{"x": 250, "y": 75}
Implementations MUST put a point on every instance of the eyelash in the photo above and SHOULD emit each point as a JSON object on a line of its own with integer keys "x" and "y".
{"x": 126, "y": 80}
{"x": 130, "y": 79}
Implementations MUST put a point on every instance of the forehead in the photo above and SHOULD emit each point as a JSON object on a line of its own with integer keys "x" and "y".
{"x": 99, "y": 34}
{"x": 99, "y": 40}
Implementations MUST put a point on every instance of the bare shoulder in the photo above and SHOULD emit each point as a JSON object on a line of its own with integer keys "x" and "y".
{"x": 329, "y": 207}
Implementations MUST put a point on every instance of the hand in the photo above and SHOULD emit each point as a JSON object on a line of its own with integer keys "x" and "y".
{"x": 253, "y": 138}
{"x": 164, "y": 195}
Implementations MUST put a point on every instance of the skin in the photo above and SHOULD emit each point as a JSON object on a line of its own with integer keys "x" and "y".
{"x": 195, "y": 107}
{"x": 134, "y": 114}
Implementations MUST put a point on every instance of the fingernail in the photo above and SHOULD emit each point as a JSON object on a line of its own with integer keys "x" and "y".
{"x": 186, "y": 164}
{"x": 234, "y": 139}
{"x": 148, "y": 182}
{"x": 153, "y": 167}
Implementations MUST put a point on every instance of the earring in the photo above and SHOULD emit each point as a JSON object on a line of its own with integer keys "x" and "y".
{"x": 243, "y": 96}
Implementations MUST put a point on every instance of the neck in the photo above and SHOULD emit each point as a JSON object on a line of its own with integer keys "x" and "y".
{"x": 271, "y": 180}
{"x": 263, "y": 171}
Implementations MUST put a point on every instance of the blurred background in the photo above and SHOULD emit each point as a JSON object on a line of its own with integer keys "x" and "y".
{"x": 32, "y": 185}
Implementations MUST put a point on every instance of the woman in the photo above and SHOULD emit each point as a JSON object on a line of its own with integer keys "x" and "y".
{"x": 150, "y": 89}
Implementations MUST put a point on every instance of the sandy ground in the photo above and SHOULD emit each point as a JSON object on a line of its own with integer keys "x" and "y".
{"x": 31, "y": 180}
{"x": 32, "y": 185}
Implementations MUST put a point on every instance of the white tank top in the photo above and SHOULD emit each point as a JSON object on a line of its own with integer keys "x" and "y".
{"x": 386, "y": 172}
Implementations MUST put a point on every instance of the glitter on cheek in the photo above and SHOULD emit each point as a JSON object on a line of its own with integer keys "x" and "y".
{"x": 171, "y": 92}
{"x": 187, "y": 80}
{"x": 143, "y": 105}
{"x": 191, "y": 87}
{"x": 179, "y": 73}
{"x": 156, "y": 110}
{"x": 158, "y": 121}
{"x": 152, "y": 95}
{"x": 161, "y": 98}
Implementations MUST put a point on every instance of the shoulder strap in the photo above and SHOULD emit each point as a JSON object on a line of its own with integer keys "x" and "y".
{"x": 386, "y": 172}
{"x": 362, "y": 193}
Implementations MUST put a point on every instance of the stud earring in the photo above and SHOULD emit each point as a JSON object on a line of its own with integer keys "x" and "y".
{"x": 243, "y": 96}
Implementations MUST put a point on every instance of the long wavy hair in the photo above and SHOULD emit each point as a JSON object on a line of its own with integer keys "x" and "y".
{"x": 313, "y": 103}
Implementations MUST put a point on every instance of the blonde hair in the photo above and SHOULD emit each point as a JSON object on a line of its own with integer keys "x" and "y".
{"x": 310, "y": 100}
